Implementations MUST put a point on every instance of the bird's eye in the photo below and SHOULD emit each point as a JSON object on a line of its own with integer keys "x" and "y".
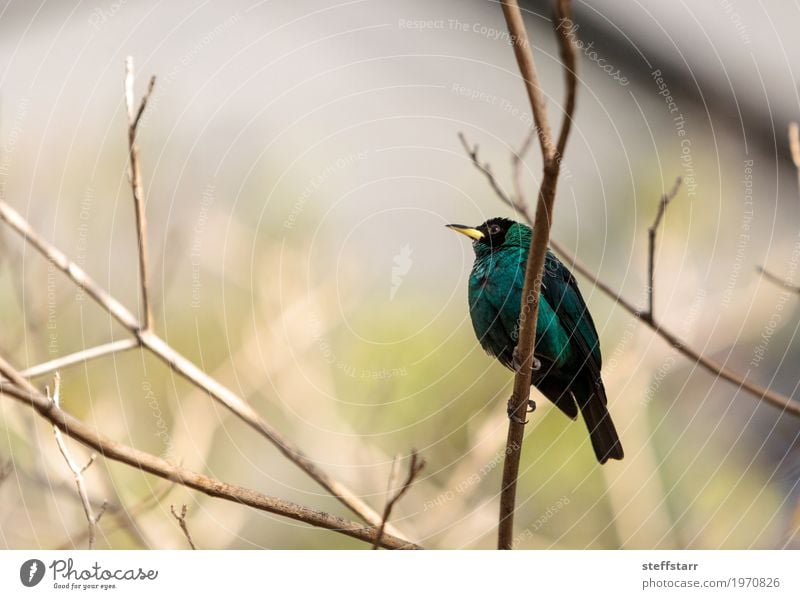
{"x": 494, "y": 229}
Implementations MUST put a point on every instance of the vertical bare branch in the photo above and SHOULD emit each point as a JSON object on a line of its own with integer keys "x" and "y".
{"x": 533, "y": 272}
{"x": 414, "y": 468}
{"x": 135, "y": 176}
{"x": 77, "y": 471}
{"x": 568, "y": 60}
{"x": 182, "y": 523}
{"x": 524, "y": 56}
{"x": 651, "y": 248}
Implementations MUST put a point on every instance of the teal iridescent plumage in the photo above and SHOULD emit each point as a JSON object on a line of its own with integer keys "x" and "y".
{"x": 567, "y": 346}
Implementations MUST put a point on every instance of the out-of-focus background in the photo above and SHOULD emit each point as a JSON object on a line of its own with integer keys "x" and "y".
{"x": 300, "y": 160}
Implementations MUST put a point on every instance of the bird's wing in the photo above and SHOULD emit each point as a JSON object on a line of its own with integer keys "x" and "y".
{"x": 496, "y": 307}
{"x": 587, "y": 385}
{"x": 502, "y": 292}
{"x": 567, "y": 302}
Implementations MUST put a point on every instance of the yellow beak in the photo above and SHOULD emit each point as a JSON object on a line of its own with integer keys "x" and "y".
{"x": 468, "y": 231}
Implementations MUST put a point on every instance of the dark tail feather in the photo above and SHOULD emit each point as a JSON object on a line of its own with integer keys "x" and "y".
{"x": 560, "y": 396}
{"x": 605, "y": 441}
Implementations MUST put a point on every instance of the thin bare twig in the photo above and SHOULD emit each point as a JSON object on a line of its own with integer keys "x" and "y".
{"x": 529, "y": 309}
{"x": 63, "y": 489}
{"x": 781, "y": 282}
{"x": 80, "y": 357}
{"x": 794, "y": 149}
{"x": 527, "y": 68}
{"x": 486, "y": 170}
{"x": 78, "y": 276}
{"x": 157, "y": 466}
{"x": 182, "y": 523}
{"x": 184, "y": 367}
{"x": 414, "y": 468}
{"x": 135, "y": 176}
{"x": 148, "y": 339}
{"x": 113, "y": 508}
{"x": 77, "y": 471}
{"x": 126, "y": 518}
{"x": 566, "y": 48}
{"x": 666, "y": 198}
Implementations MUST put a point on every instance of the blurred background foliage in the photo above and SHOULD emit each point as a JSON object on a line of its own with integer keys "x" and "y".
{"x": 300, "y": 160}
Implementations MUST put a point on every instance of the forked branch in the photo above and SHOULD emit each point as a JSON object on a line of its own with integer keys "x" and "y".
{"x": 651, "y": 247}
{"x": 414, "y": 468}
{"x": 145, "y": 337}
{"x": 181, "y": 518}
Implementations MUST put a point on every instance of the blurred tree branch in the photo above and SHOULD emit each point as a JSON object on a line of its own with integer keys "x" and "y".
{"x": 21, "y": 390}
{"x": 183, "y": 366}
{"x": 780, "y": 282}
{"x": 551, "y": 154}
{"x": 143, "y": 335}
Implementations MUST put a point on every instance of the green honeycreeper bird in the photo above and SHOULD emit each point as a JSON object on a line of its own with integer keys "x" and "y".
{"x": 567, "y": 357}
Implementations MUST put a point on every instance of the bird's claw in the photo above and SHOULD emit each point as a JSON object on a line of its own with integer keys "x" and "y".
{"x": 512, "y": 413}
{"x": 517, "y": 362}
